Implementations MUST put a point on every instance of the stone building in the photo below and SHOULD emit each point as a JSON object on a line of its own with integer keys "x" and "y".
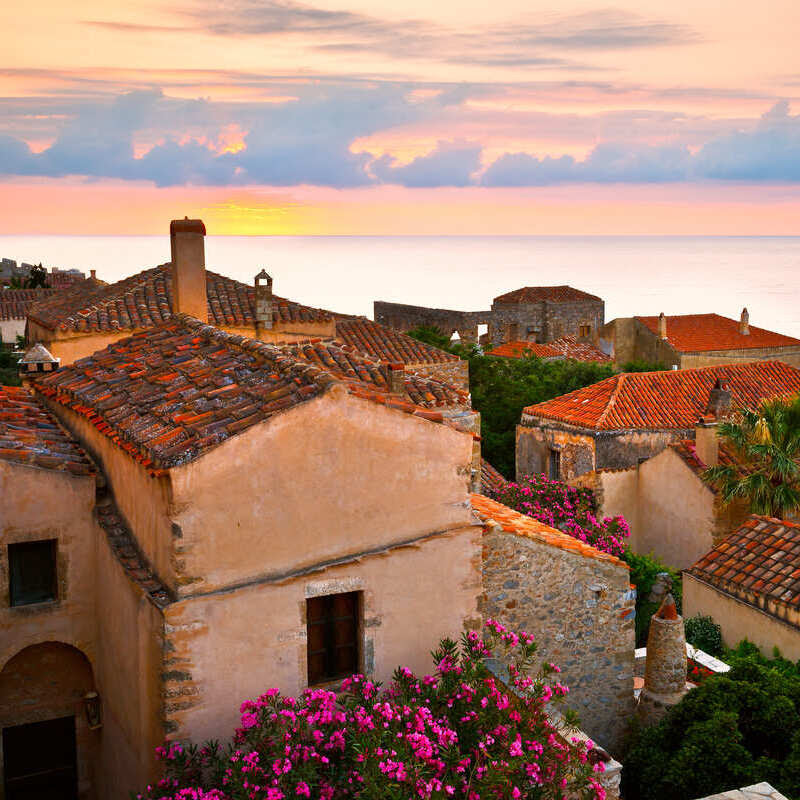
{"x": 14, "y": 307}
{"x": 632, "y": 416}
{"x": 696, "y": 340}
{"x": 676, "y": 532}
{"x": 749, "y": 583}
{"x": 533, "y": 313}
{"x": 578, "y": 603}
{"x": 245, "y": 519}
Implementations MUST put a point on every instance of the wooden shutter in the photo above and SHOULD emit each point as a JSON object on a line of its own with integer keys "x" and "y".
{"x": 332, "y": 636}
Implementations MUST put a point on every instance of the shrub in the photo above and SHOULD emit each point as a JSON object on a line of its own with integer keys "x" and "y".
{"x": 644, "y": 571}
{"x": 567, "y": 508}
{"x": 458, "y": 733}
{"x": 747, "y": 652}
{"x": 703, "y": 632}
{"x": 732, "y": 730}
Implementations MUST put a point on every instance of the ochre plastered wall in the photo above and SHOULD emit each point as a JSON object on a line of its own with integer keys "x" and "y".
{"x": 332, "y": 476}
{"x": 741, "y": 620}
{"x": 789, "y": 356}
{"x": 255, "y": 635}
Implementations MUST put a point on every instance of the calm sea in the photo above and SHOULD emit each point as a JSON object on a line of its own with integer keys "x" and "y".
{"x": 635, "y": 275}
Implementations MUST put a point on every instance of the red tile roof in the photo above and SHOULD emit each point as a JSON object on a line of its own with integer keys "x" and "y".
{"x": 552, "y": 294}
{"x": 565, "y": 347}
{"x": 169, "y": 394}
{"x": 494, "y": 514}
{"x": 30, "y": 435}
{"x": 761, "y": 559}
{"x": 386, "y": 344}
{"x": 145, "y": 299}
{"x": 666, "y": 400}
{"x": 15, "y": 303}
{"x": 491, "y": 479}
{"x": 697, "y": 333}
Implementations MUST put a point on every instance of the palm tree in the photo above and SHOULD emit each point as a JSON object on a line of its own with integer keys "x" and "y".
{"x": 766, "y": 469}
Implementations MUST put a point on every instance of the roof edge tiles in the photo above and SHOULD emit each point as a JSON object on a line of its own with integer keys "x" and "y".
{"x": 494, "y": 515}
{"x": 550, "y": 294}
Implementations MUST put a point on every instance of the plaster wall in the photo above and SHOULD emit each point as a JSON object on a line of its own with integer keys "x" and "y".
{"x": 740, "y": 620}
{"x": 617, "y": 494}
{"x": 535, "y": 442}
{"x": 332, "y": 476}
{"x": 143, "y": 501}
{"x": 70, "y": 348}
{"x": 625, "y": 448}
{"x": 788, "y": 355}
{"x": 10, "y": 329}
{"x": 581, "y": 611}
{"x": 231, "y": 646}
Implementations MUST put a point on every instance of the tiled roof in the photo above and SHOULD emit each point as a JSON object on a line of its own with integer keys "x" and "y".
{"x": 15, "y": 303}
{"x": 145, "y": 299}
{"x": 688, "y": 452}
{"x": 169, "y": 394}
{"x": 697, "y": 333}
{"x": 30, "y": 435}
{"x": 491, "y": 479}
{"x": 552, "y": 294}
{"x": 494, "y": 514}
{"x": 667, "y": 400}
{"x": 565, "y": 347}
{"x": 386, "y": 344}
{"x": 762, "y": 558}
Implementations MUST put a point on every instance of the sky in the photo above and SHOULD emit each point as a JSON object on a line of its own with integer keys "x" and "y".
{"x": 381, "y": 117}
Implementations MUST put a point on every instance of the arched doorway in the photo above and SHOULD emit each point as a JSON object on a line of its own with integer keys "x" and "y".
{"x": 47, "y": 745}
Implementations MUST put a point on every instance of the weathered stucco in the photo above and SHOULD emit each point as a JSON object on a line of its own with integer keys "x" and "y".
{"x": 255, "y": 636}
{"x": 740, "y": 619}
{"x": 581, "y": 611}
{"x": 333, "y": 476}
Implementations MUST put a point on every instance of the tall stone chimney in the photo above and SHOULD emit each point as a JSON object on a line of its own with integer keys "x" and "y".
{"x": 719, "y": 400}
{"x": 706, "y": 442}
{"x": 662, "y": 326}
{"x": 397, "y": 378}
{"x": 187, "y": 243}
{"x": 263, "y": 284}
{"x": 744, "y": 323}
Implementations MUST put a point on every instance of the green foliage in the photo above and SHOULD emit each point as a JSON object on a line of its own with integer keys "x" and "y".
{"x": 37, "y": 278}
{"x": 747, "y": 652}
{"x": 644, "y": 570}
{"x": 733, "y": 730}
{"x": 767, "y": 447}
{"x": 8, "y": 368}
{"x": 643, "y": 366}
{"x": 704, "y": 633}
{"x": 431, "y": 335}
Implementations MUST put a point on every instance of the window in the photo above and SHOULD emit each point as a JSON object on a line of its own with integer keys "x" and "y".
{"x": 584, "y": 331}
{"x": 32, "y": 572}
{"x": 332, "y": 627}
{"x": 554, "y": 469}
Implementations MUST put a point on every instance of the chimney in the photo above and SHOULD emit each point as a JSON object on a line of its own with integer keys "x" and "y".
{"x": 186, "y": 238}
{"x": 93, "y": 274}
{"x": 662, "y": 326}
{"x": 263, "y": 284}
{"x": 719, "y": 400}
{"x": 744, "y": 323}
{"x": 36, "y": 361}
{"x": 706, "y": 442}
{"x": 397, "y": 378}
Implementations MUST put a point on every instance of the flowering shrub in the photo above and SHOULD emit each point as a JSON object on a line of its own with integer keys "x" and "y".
{"x": 697, "y": 673}
{"x": 571, "y": 510}
{"x": 459, "y": 733}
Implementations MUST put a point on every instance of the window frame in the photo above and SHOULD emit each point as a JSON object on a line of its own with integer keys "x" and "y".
{"x": 17, "y": 594}
{"x": 554, "y": 459}
{"x": 328, "y": 621}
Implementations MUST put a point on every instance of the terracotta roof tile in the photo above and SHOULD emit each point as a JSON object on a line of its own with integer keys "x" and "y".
{"x": 494, "y": 514}
{"x": 30, "y": 435}
{"x": 15, "y": 303}
{"x": 145, "y": 299}
{"x": 666, "y": 400}
{"x": 762, "y": 558}
{"x": 565, "y": 347}
{"x": 552, "y": 294}
{"x": 386, "y": 344}
{"x": 697, "y": 333}
{"x": 169, "y": 394}
{"x": 491, "y": 479}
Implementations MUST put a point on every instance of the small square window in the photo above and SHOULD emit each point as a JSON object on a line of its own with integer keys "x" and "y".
{"x": 584, "y": 331}
{"x": 32, "y": 572}
{"x": 332, "y": 623}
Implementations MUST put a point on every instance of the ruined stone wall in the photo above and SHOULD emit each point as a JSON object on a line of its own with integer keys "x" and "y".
{"x": 788, "y": 355}
{"x": 581, "y": 611}
{"x": 620, "y": 449}
{"x": 545, "y": 321}
{"x": 455, "y": 373}
{"x": 404, "y": 317}
{"x": 534, "y": 443}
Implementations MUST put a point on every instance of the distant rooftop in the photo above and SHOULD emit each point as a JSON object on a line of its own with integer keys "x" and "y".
{"x": 697, "y": 333}
{"x": 491, "y": 479}
{"x": 565, "y": 347}
{"x": 667, "y": 400}
{"x": 552, "y": 294}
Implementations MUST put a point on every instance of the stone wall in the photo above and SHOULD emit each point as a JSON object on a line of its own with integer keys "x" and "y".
{"x": 626, "y": 448}
{"x": 581, "y": 611}
{"x": 404, "y": 317}
{"x": 456, "y": 373}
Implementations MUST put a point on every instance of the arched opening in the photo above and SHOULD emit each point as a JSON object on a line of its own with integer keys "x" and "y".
{"x": 455, "y": 337}
{"x": 47, "y": 744}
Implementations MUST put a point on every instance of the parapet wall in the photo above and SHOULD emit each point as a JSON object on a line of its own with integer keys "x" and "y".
{"x": 403, "y": 317}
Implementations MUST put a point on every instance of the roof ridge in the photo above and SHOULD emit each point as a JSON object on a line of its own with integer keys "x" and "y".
{"x": 612, "y": 401}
